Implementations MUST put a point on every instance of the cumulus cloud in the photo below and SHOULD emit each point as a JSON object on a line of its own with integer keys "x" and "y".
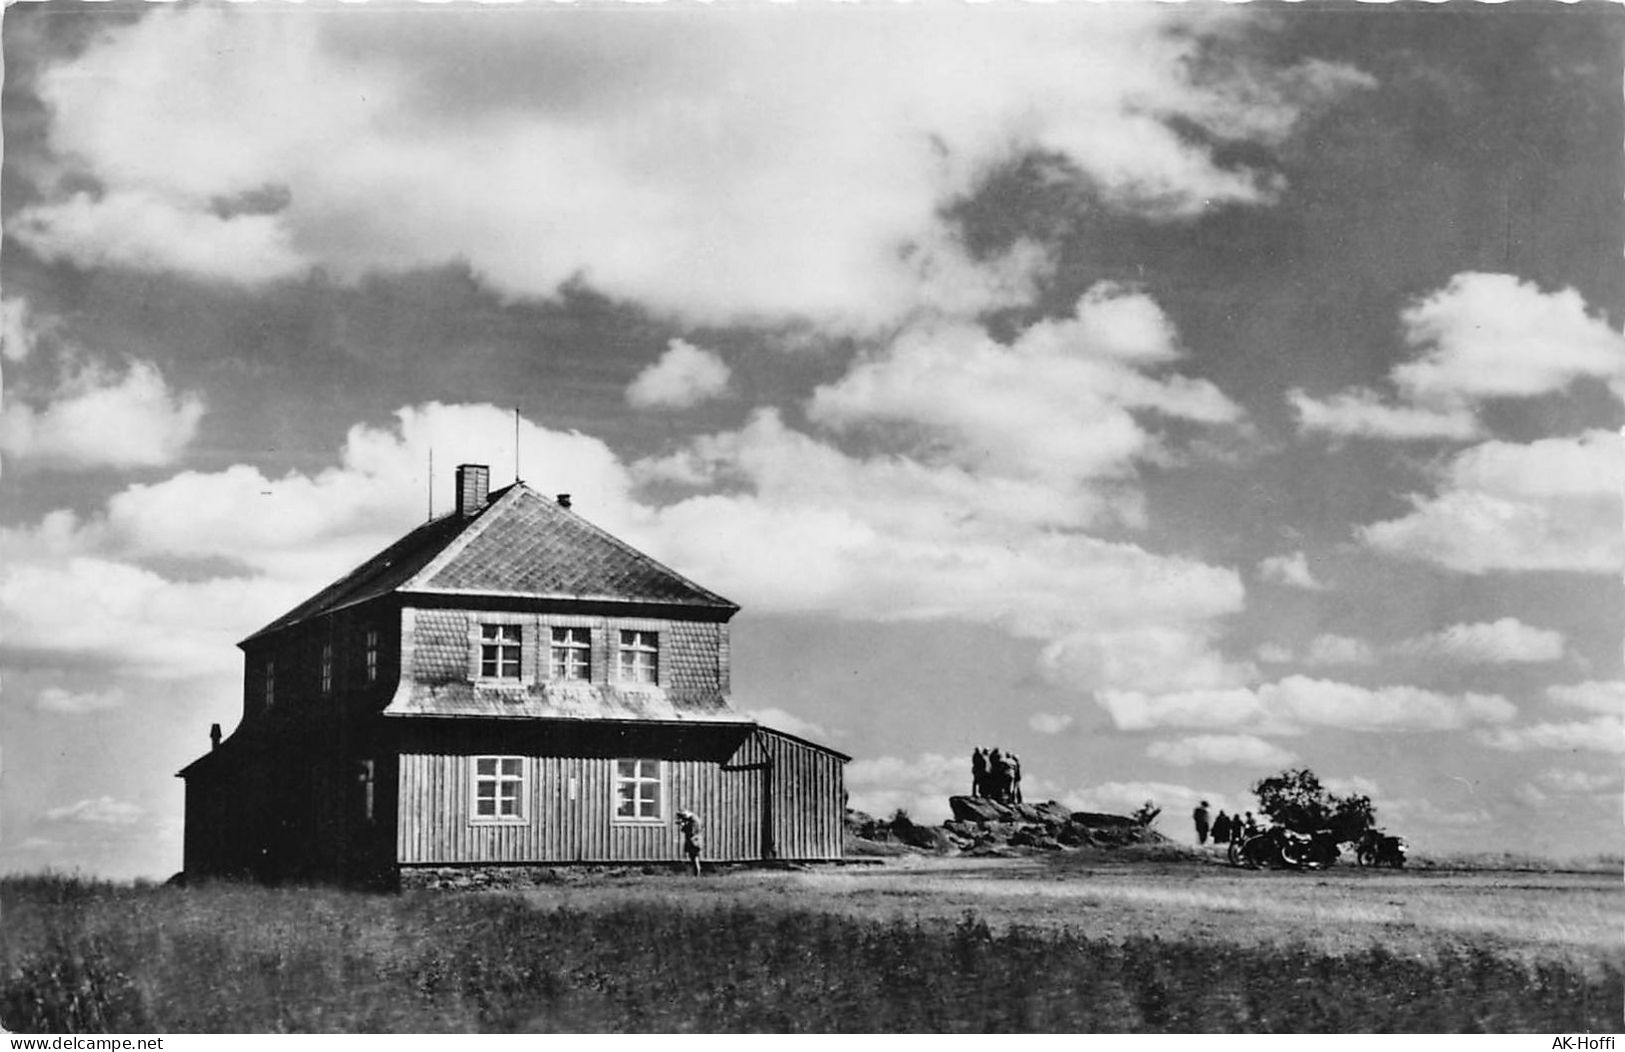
{"x": 1057, "y": 402}
{"x": 18, "y": 329}
{"x": 629, "y": 158}
{"x": 921, "y": 786}
{"x": 1481, "y": 337}
{"x": 1603, "y": 734}
{"x": 1489, "y": 336}
{"x": 83, "y": 592}
{"x": 1552, "y": 504}
{"x": 1177, "y": 801}
{"x": 56, "y": 699}
{"x": 1338, "y": 650}
{"x": 1298, "y": 703}
{"x": 684, "y": 376}
{"x": 1605, "y": 697}
{"x": 1241, "y": 749}
{"x": 1290, "y": 570}
{"x": 1503, "y": 642}
{"x": 1049, "y": 722}
{"x": 97, "y": 418}
{"x": 779, "y": 719}
{"x": 1361, "y": 413}
{"x": 103, "y": 811}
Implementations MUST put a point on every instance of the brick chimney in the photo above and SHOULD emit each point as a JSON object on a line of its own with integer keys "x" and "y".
{"x": 473, "y": 486}
{"x": 564, "y": 500}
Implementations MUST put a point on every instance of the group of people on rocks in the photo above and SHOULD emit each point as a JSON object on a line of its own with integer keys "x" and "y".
{"x": 1224, "y": 828}
{"x": 995, "y": 775}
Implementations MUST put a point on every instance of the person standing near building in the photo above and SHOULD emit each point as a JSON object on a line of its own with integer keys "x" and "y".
{"x": 688, "y": 824}
{"x": 1200, "y": 815}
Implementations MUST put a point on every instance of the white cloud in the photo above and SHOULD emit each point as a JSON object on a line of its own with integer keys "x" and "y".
{"x": 1567, "y": 780}
{"x": 97, "y": 419}
{"x": 1049, "y": 722}
{"x": 103, "y": 810}
{"x": 56, "y": 699}
{"x": 147, "y": 230}
{"x": 18, "y": 329}
{"x": 1481, "y": 337}
{"x": 1291, "y": 570}
{"x": 684, "y": 376}
{"x": 1502, "y": 642}
{"x": 920, "y": 786}
{"x": 781, "y": 720}
{"x": 633, "y": 158}
{"x": 1297, "y": 703}
{"x": 1274, "y": 653}
{"x": 1147, "y": 658}
{"x": 1552, "y": 504}
{"x": 1361, "y": 413}
{"x": 1177, "y": 801}
{"x": 1603, "y": 734}
{"x": 1058, "y": 402}
{"x": 1338, "y": 650}
{"x": 1492, "y": 336}
{"x": 1241, "y": 749}
{"x": 1605, "y": 697}
{"x": 79, "y": 593}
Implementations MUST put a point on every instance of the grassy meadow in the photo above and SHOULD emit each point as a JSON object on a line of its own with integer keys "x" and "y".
{"x": 912, "y": 947}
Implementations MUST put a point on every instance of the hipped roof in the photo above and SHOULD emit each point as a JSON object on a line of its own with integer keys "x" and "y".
{"x": 519, "y": 545}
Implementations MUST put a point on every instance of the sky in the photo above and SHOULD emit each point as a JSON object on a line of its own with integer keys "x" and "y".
{"x": 1169, "y": 394}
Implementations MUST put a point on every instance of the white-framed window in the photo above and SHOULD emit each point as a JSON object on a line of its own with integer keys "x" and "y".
{"x": 571, "y": 653}
{"x": 500, "y": 646}
{"x": 639, "y": 791}
{"x": 640, "y": 656}
{"x": 499, "y": 789}
{"x": 372, "y": 655}
{"x": 270, "y": 682}
{"x": 327, "y": 668}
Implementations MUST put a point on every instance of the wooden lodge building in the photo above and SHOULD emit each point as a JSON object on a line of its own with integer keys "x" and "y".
{"x": 506, "y": 685}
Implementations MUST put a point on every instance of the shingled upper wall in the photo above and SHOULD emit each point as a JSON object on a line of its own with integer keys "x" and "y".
{"x": 444, "y": 654}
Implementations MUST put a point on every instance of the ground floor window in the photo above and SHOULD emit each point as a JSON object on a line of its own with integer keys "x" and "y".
{"x": 638, "y": 790}
{"x": 499, "y": 789}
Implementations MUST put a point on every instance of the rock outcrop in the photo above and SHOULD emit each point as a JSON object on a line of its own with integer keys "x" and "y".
{"x": 983, "y": 824}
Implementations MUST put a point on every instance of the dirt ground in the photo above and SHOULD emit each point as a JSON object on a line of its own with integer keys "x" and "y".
{"x": 1576, "y": 917}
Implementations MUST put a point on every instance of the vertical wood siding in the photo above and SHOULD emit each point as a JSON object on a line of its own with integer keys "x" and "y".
{"x": 775, "y": 797}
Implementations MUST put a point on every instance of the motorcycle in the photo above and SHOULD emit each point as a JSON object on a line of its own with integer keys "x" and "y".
{"x": 1375, "y": 849}
{"x": 1279, "y": 847}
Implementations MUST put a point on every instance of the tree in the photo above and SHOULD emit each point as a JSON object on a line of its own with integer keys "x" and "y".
{"x": 1296, "y": 799}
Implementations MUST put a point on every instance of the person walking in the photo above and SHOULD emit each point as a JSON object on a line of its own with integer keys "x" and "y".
{"x": 1221, "y": 828}
{"x": 688, "y": 824}
{"x": 1200, "y": 815}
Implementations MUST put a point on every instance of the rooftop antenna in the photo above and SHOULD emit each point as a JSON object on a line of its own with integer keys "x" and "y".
{"x": 516, "y": 443}
{"x": 431, "y": 483}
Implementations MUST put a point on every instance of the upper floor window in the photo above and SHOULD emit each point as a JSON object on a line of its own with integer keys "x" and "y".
{"x": 499, "y": 651}
{"x": 327, "y": 668}
{"x": 499, "y": 789}
{"x": 372, "y": 655}
{"x": 638, "y": 789}
{"x": 270, "y": 682}
{"x": 640, "y": 656}
{"x": 572, "y": 653}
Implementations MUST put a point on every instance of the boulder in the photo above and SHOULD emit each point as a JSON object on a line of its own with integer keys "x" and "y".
{"x": 1097, "y": 820}
{"x": 979, "y": 809}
